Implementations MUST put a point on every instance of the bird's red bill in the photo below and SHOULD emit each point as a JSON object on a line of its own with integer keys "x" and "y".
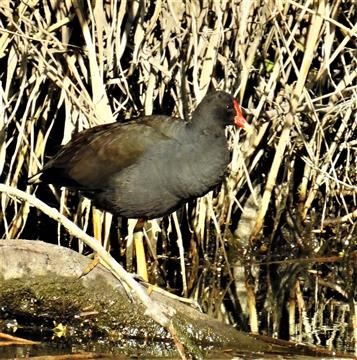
{"x": 239, "y": 119}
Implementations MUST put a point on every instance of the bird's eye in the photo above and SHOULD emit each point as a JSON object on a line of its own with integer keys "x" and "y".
{"x": 228, "y": 106}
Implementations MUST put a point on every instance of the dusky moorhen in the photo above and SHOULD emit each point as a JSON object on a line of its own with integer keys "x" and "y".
{"x": 148, "y": 167}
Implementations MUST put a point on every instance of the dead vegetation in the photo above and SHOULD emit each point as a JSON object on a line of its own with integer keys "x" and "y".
{"x": 274, "y": 249}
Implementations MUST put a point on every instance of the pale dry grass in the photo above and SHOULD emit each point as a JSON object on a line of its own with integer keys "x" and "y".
{"x": 275, "y": 247}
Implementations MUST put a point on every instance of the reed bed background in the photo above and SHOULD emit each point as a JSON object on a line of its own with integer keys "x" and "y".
{"x": 273, "y": 251}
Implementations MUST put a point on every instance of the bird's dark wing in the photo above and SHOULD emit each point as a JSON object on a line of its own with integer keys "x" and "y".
{"x": 95, "y": 154}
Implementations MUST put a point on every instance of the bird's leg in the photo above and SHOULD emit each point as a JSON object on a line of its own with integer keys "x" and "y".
{"x": 97, "y": 231}
{"x": 141, "y": 266}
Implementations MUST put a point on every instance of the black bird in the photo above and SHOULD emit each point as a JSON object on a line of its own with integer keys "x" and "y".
{"x": 148, "y": 167}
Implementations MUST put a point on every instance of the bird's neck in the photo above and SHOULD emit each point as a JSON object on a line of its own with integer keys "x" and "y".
{"x": 206, "y": 125}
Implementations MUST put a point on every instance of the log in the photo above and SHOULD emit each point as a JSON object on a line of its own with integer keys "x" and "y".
{"x": 44, "y": 295}
{"x": 41, "y": 286}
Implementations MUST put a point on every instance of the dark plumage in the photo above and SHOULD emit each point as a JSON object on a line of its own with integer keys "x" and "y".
{"x": 148, "y": 167}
